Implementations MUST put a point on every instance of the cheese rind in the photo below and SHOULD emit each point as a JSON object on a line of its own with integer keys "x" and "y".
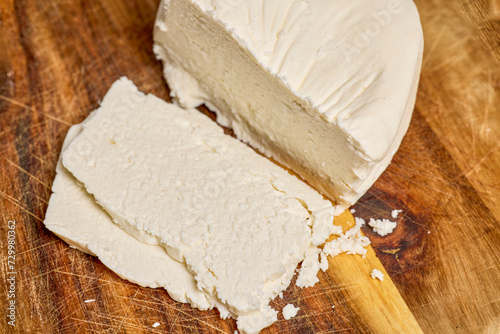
{"x": 240, "y": 222}
{"x": 326, "y": 88}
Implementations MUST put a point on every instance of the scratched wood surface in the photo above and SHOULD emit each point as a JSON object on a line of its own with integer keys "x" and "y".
{"x": 57, "y": 60}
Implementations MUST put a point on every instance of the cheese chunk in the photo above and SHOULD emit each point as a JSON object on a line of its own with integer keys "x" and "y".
{"x": 377, "y": 274}
{"x": 74, "y": 216}
{"x": 239, "y": 222}
{"x": 382, "y": 227}
{"x": 308, "y": 274}
{"x": 325, "y": 87}
{"x": 395, "y": 213}
{"x": 290, "y": 311}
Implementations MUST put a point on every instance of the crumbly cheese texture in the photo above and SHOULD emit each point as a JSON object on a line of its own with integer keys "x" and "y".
{"x": 76, "y": 218}
{"x": 350, "y": 242}
{"x": 171, "y": 177}
{"x": 290, "y": 311}
{"x": 325, "y": 87}
{"x": 382, "y": 227}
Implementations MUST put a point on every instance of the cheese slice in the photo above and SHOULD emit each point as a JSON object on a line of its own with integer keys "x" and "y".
{"x": 76, "y": 218}
{"x": 325, "y": 87}
{"x": 239, "y": 222}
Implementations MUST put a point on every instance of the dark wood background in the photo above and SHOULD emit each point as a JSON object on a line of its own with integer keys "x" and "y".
{"x": 59, "y": 57}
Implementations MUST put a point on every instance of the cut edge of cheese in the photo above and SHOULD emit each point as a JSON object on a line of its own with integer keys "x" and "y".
{"x": 240, "y": 63}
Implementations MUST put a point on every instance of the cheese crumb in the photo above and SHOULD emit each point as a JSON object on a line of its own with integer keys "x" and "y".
{"x": 377, "y": 274}
{"x": 395, "y": 213}
{"x": 89, "y": 301}
{"x": 156, "y": 324}
{"x": 308, "y": 273}
{"x": 359, "y": 223}
{"x": 290, "y": 311}
{"x": 382, "y": 227}
{"x": 323, "y": 262}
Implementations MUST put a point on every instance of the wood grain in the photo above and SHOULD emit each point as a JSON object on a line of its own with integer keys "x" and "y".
{"x": 57, "y": 60}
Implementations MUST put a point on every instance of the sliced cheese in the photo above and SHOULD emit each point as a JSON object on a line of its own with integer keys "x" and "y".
{"x": 239, "y": 222}
{"x": 74, "y": 216}
{"x": 325, "y": 87}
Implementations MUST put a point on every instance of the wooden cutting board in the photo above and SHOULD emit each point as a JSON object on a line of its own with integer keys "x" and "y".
{"x": 59, "y": 57}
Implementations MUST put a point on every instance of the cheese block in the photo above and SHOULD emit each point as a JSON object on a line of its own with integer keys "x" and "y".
{"x": 239, "y": 222}
{"x": 325, "y": 87}
{"x": 76, "y": 218}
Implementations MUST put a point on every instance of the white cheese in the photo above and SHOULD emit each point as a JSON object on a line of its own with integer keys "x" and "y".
{"x": 395, "y": 213}
{"x": 290, "y": 311}
{"x": 351, "y": 242}
{"x": 377, "y": 274}
{"x": 325, "y": 87}
{"x": 240, "y": 222}
{"x": 322, "y": 226}
{"x": 74, "y": 216}
{"x": 382, "y": 227}
{"x": 323, "y": 262}
{"x": 308, "y": 273}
